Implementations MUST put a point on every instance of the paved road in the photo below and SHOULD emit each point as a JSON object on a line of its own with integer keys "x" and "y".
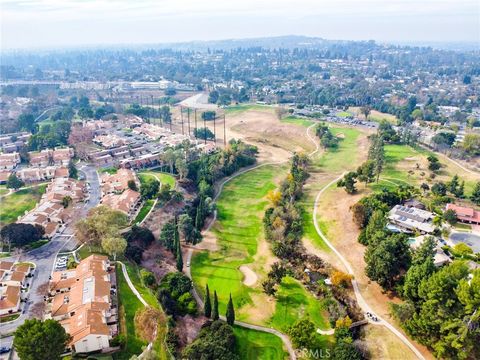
{"x": 44, "y": 256}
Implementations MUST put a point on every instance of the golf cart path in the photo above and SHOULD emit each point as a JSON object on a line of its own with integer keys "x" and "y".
{"x": 360, "y": 300}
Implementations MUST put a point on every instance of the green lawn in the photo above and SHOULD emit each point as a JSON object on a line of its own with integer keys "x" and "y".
{"x": 3, "y": 190}
{"x": 144, "y": 211}
{"x": 297, "y": 121}
{"x": 293, "y": 303}
{"x": 128, "y": 305}
{"x": 162, "y": 176}
{"x": 341, "y": 158}
{"x": 344, "y": 114}
{"x": 237, "y": 109}
{"x": 238, "y": 230}
{"x": 252, "y": 344}
{"x": 17, "y": 204}
{"x": 108, "y": 170}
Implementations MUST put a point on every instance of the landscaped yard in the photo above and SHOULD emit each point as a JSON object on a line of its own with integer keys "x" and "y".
{"x": 15, "y": 205}
{"x": 252, "y": 344}
{"x": 160, "y": 175}
{"x": 375, "y": 115}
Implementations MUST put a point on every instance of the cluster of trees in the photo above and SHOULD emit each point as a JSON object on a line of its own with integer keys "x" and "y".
{"x": 211, "y": 311}
{"x": 370, "y": 170}
{"x": 170, "y": 236}
{"x": 138, "y": 240}
{"x": 14, "y": 182}
{"x": 441, "y": 305}
{"x": 20, "y": 234}
{"x": 327, "y": 139}
{"x": 208, "y": 168}
{"x": 283, "y": 219}
{"x": 203, "y": 133}
{"x": 50, "y": 135}
{"x": 174, "y": 295}
{"x": 388, "y": 254}
{"x": 102, "y": 228}
{"x": 216, "y": 341}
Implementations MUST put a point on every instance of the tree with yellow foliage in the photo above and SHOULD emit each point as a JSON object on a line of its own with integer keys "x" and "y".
{"x": 274, "y": 197}
{"x": 340, "y": 278}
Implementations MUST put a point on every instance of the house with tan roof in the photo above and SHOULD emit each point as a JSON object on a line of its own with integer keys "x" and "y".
{"x": 118, "y": 182}
{"x": 127, "y": 202}
{"x": 9, "y": 161}
{"x": 32, "y": 174}
{"x": 62, "y": 157}
{"x": 39, "y": 158}
{"x": 81, "y": 302}
{"x": 9, "y": 299}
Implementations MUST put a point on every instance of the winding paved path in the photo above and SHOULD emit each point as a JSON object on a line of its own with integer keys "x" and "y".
{"x": 360, "y": 300}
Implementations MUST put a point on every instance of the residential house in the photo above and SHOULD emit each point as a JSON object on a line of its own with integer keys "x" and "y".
{"x": 439, "y": 258}
{"x": 4, "y": 175}
{"x": 9, "y": 161}
{"x": 40, "y": 159}
{"x": 82, "y": 303}
{"x": 465, "y": 214}
{"x": 9, "y": 299}
{"x": 410, "y": 220}
{"x": 32, "y": 174}
{"x": 62, "y": 157}
{"x": 127, "y": 202}
{"x": 118, "y": 182}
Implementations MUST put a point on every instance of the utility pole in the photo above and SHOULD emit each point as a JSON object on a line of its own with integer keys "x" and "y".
{"x": 195, "y": 120}
{"x": 224, "y": 132}
{"x": 171, "y": 119}
{"x": 215, "y": 129}
{"x": 181, "y": 117}
{"x": 159, "y": 114}
{"x": 188, "y": 119}
{"x": 204, "y": 128}
{"x": 153, "y": 109}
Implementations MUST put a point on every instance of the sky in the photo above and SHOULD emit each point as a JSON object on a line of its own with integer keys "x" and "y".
{"x": 27, "y": 24}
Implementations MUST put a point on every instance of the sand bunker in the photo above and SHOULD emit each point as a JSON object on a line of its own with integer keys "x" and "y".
{"x": 250, "y": 278}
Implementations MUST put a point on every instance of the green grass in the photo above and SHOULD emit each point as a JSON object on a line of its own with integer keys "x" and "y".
{"x": 128, "y": 305}
{"x": 344, "y": 114}
{"x": 297, "y": 121}
{"x": 8, "y": 318}
{"x": 237, "y": 109}
{"x": 144, "y": 211}
{"x": 341, "y": 158}
{"x": 463, "y": 227}
{"x": 238, "y": 229}
{"x": 108, "y": 170}
{"x": 18, "y": 203}
{"x": 85, "y": 251}
{"x": 162, "y": 176}
{"x": 252, "y": 344}
{"x": 294, "y": 303}
{"x": 36, "y": 244}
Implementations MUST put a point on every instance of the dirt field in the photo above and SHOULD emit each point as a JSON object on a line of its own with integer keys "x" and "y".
{"x": 275, "y": 140}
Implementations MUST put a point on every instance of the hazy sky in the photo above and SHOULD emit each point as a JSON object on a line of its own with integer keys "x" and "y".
{"x": 56, "y": 23}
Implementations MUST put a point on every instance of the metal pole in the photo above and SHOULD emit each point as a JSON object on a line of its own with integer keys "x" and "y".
{"x": 215, "y": 129}
{"x": 181, "y": 116}
{"x": 204, "y": 128}
{"x": 159, "y": 114}
{"x": 195, "y": 120}
{"x": 188, "y": 119}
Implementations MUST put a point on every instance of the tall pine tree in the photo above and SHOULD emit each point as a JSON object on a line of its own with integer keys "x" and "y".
{"x": 208, "y": 304}
{"x": 215, "y": 306}
{"x": 176, "y": 237}
{"x": 179, "y": 257}
{"x": 230, "y": 315}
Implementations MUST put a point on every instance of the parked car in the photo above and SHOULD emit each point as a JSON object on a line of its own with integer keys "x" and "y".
{"x": 4, "y": 350}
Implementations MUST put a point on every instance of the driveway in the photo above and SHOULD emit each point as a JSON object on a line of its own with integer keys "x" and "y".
{"x": 44, "y": 256}
{"x": 471, "y": 240}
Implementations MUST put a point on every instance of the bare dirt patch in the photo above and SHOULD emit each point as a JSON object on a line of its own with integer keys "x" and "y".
{"x": 261, "y": 309}
{"x": 274, "y": 139}
{"x": 158, "y": 260}
{"x": 187, "y": 328}
{"x": 249, "y": 276}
